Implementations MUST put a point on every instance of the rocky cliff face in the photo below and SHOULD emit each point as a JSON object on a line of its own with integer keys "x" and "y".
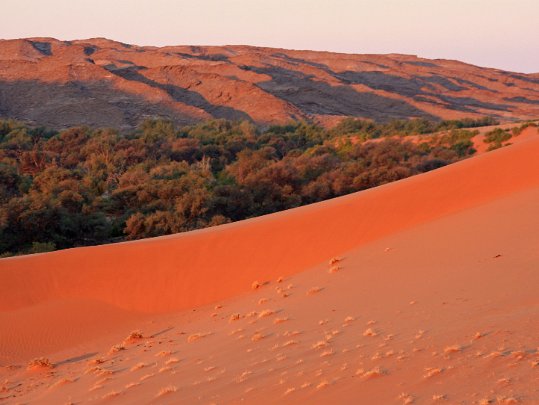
{"x": 100, "y": 82}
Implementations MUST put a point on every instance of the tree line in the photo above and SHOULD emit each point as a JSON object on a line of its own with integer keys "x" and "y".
{"x": 83, "y": 186}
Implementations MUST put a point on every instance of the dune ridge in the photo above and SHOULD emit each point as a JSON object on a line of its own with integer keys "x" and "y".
{"x": 196, "y": 268}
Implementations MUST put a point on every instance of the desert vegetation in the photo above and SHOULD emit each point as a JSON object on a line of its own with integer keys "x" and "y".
{"x": 84, "y": 186}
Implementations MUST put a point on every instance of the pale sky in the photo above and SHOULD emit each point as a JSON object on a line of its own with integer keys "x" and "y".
{"x": 495, "y": 33}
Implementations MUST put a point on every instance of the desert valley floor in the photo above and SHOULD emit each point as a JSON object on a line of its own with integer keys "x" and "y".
{"x": 416, "y": 292}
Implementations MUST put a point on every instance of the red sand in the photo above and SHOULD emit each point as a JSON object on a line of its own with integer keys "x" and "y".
{"x": 452, "y": 253}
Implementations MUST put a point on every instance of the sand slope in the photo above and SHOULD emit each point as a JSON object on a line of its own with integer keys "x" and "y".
{"x": 436, "y": 298}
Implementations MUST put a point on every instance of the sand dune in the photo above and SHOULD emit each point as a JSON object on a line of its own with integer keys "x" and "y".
{"x": 433, "y": 299}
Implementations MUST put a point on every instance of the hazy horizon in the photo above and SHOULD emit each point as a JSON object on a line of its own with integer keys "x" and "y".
{"x": 495, "y": 33}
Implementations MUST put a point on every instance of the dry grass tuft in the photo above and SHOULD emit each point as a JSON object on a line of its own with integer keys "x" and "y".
{"x": 334, "y": 260}
{"x": 438, "y": 397}
{"x": 518, "y": 355}
{"x": 138, "y": 366}
{"x": 322, "y": 384}
{"x": 167, "y": 390}
{"x": 314, "y": 290}
{"x": 431, "y": 372}
{"x": 290, "y": 343}
{"x": 320, "y": 345}
{"x": 280, "y": 279}
{"x": 110, "y": 395}
{"x": 265, "y": 313}
{"x": 256, "y": 285}
{"x": 116, "y": 348}
{"x": 146, "y": 376}
{"x": 196, "y": 336}
{"x": 334, "y": 269}
{"x": 478, "y": 335}
{"x": 163, "y": 353}
{"x": 327, "y": 353}
{"x": 234, "y": 317}
{"x": 374, "y": 373}
{"x": 257, "y": 337}
{"x": 370, "y": 332}
{"x": 453, "y": 349}
{"x": 172, "y": 360}
{"x": 348, "y": 320}
{"x": 96, "y": 361}
{"x": 506, "y": 400}
{"x": 244, "y": 376}
{"x": 40, "y": 363}
{"x": 62, "y": 381}
{"x": 280, "y": 320}
{"x": 406, "y": 398}
{"x": 289, "y": 391}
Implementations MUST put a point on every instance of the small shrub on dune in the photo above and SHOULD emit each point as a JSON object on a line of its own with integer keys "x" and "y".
{"x": 256, "y": 285}
{"x": 40, "y": 363}
{"x": 134, "y": 336}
